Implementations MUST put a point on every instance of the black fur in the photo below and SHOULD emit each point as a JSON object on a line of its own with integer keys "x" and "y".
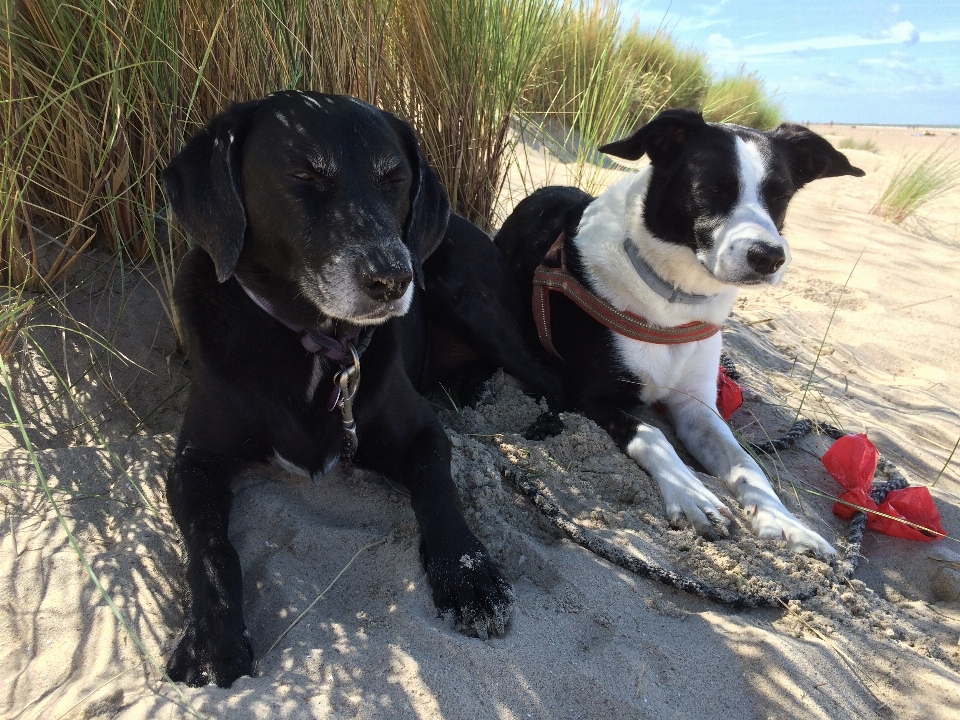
{"x": 593, "y": 381}
{"x": 297, "y": 183}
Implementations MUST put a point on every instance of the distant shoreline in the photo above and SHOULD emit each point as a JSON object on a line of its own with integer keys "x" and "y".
{"x": 889, "y": 125}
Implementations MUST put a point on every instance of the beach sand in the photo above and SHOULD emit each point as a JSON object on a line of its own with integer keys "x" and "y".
{"x": 587, "y": 639}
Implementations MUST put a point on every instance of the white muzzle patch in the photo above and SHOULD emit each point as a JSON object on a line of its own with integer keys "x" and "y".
{"x": 748, "y": 230}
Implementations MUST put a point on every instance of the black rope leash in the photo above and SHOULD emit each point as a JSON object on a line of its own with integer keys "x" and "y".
{"x": 538, "y": 493}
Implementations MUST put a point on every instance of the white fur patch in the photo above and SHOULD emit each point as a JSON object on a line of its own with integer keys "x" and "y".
{"x": 618, "y": 214}
{"x": 665, "y": 369}
{"x": 684, "y": 496}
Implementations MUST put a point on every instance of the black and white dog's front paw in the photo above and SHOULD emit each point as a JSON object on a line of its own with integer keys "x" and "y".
{"x": 468, "y": 586}
{"x": 772, "y": 521}
{"x": 205, "y": 655}
{"x": 547, "y": 425}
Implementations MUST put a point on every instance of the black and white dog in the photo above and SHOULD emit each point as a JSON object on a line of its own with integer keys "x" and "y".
{"x": 673, "y": 244}
{"x": 312, "y": 215}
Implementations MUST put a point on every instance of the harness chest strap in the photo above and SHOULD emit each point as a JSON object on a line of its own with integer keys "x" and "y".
{"x": 556, "y": 278}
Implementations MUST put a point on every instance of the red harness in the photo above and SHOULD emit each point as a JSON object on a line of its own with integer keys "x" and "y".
{"x": 552, "y": 276}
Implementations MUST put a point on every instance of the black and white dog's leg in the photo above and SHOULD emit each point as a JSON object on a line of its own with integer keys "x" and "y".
{"x": 710, "y": 440}
{"x": 684, "y": 496}
{"x": 215, "y": 646}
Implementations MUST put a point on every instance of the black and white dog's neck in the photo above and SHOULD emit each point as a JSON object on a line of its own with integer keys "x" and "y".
{"x": 607, "y": 265}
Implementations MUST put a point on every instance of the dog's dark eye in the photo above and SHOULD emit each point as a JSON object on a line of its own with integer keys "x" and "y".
{"x": 719, "y": 192}
{"x": 301, "y": 175}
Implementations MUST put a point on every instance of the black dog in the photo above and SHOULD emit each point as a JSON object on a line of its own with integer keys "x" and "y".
{"x": 313, "y": 214}
{"x": 669, "y": 246}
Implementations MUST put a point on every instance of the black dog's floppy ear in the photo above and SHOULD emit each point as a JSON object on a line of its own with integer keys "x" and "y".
{"x": 202, "y": 184}
{"x": 811, "y": 157}
{"x": 659, "y": 138}
{"x": 429, "y": 206}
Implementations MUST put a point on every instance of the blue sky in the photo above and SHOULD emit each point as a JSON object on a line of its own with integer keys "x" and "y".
{"x": 848, "y": 61}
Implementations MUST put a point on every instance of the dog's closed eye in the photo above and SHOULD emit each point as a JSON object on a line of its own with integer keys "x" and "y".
{"x": 394, "y": 177}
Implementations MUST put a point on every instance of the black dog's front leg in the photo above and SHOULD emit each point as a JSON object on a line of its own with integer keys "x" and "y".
{"x": 215, "y": 646}
{"x": 465, "y": 581}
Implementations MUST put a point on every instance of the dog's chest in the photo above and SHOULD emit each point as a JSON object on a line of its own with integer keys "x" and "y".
{"x": 661, "y": 369}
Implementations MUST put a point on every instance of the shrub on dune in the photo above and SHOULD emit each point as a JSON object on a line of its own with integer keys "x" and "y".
{"x": 916, "y": 182}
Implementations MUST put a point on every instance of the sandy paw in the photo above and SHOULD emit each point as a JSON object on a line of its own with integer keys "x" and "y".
{"x": 700, "y": 508}
{"x": 547, "y": 425}
{"x": 204, "y": 656}
{"x": 470, "y": 590}
{"x": 778, "y": 523}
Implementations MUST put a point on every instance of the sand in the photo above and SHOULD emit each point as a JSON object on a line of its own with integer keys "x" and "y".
{"x": 587, "y": 639}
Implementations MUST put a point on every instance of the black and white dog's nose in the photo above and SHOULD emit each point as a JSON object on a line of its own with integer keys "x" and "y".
{"x": 766, "y": 259}
{"x": 383, "y": 283}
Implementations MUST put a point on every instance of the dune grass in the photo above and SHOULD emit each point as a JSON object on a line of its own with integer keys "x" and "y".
{"x": 848, "y": 143}
{"x": 742, "y": 99}
{"x": 95, "y": 97}
{"x": 916, "y": 182}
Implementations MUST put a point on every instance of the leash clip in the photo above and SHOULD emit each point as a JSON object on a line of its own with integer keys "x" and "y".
{"x": 347, "y": 381}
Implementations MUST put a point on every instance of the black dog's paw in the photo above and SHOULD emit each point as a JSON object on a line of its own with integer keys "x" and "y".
{"x": 201, "y": 658}
{"x": 471, "y": 589}
{"x": 547, "y": 425}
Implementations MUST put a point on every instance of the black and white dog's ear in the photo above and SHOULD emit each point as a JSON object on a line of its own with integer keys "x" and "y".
{"x": 429, "y": 213}
{"x": 810, "y": 156}
{"x": 202, "y": 185}
{"x": 660, "y": 138}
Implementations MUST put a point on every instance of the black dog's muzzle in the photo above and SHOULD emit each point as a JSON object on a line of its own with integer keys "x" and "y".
{"x": 383, "y": 276}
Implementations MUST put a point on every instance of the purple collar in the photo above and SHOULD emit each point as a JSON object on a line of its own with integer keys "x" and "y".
{"x": 335, "y": 347}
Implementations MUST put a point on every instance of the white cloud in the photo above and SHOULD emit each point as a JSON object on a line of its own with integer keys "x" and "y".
{"x": 836, "y": 79}
{"x": 904, "y": 32}
{"x": 901, "y": 33}
{"x": 898, "y": 63}
{"x": 681, "y": 24}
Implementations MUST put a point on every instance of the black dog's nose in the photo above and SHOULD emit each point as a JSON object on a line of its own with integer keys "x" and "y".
{"x": 766, "y": 259}
{"x": 383, "y": 283}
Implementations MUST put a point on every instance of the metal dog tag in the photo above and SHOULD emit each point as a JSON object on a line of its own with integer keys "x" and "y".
{"x": 347, "y": 383}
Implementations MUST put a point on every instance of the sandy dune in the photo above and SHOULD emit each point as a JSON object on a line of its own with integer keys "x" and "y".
{"x": 587, "y": 640}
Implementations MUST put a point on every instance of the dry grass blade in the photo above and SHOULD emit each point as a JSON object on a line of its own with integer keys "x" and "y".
{"x": 95, "y": 97}
{"x": 916, "y": 183}
{"x": 321, "y": 595}
{"x": 946, "y": 464}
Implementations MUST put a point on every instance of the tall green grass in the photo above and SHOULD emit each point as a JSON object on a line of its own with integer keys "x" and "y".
{"x": 96, "y": 96}
{"x": 741, "y": 98}
{"x": 599, "y": 77}
{"x": 916, "y": 182}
